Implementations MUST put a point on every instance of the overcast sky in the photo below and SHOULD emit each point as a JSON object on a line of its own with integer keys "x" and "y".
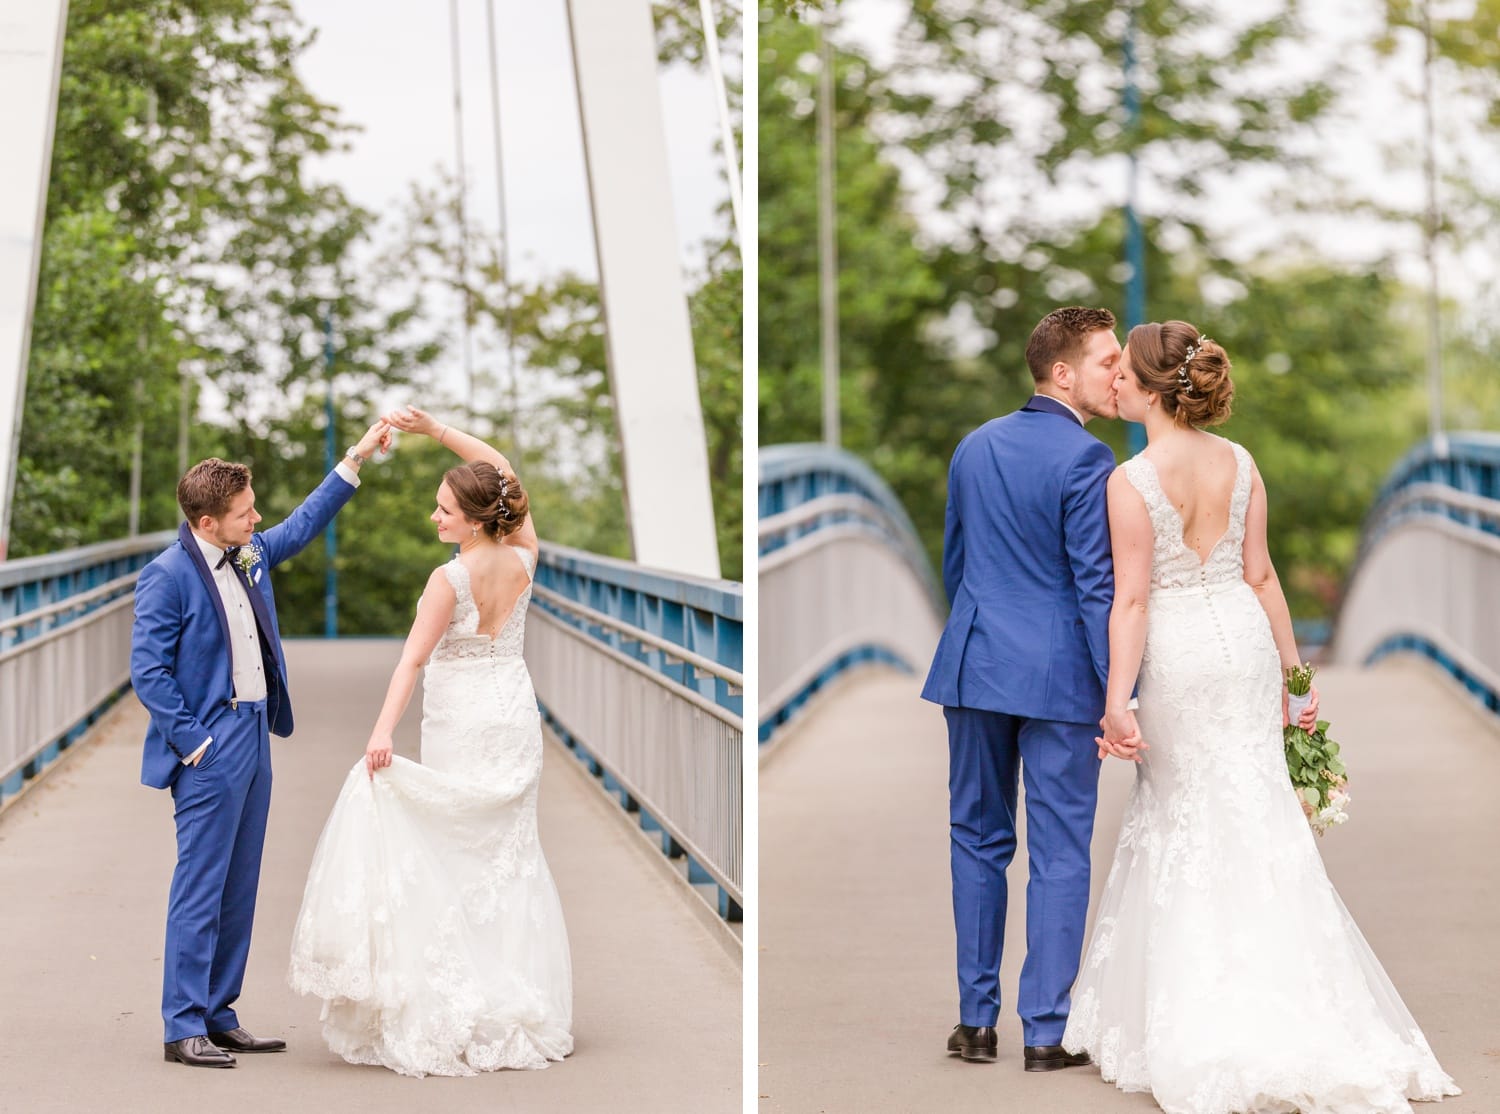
{"x": 387, "y": 64}
{"x": 1383, "y": 110}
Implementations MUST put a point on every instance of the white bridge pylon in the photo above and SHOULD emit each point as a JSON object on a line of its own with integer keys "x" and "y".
{"x": 31, "y": 41}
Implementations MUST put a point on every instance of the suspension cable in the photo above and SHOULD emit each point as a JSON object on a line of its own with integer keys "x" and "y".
{"x": 731, "y": 151}
{"x": 463, "y": 224}
{"x": 511, "y": 372}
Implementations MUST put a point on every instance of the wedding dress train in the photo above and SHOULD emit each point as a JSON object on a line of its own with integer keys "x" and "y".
{"x": 430, "y": 925}
{"x": 1224, "y": 973}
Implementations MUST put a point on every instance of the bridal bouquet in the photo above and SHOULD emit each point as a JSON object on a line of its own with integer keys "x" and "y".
{"x": 1312, "y": 759}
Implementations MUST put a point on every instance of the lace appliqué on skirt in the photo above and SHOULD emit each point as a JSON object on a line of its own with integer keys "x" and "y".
{"x": 430, "y": 924}
{"x": 1224, "y": 975}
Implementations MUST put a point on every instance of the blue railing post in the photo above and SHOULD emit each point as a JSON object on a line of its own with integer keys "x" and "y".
{"x": 330, "y": 459}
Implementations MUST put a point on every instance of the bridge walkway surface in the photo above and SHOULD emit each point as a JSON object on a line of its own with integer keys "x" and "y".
{"x": 857, "y": 983}
{"x": 86, "y": 859}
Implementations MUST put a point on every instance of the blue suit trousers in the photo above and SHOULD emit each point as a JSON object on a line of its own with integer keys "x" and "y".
{"x": 221, "y": 808}
{"x": 988, "y": 753}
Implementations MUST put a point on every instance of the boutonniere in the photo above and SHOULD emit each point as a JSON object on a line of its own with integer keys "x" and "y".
{"x": 247, "y": 558}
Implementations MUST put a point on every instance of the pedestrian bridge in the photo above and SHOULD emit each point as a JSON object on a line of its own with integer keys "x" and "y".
{"x": 857, "y": 983}
{"x": 639, "y": 674}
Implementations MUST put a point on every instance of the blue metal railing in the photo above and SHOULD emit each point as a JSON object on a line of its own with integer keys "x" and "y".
{"x": 703, "y": 616}
{"x": 805, "y": 490}
{"x": 40, "y": 595}
{"x": 792, "y": 476}
{"x": 644, "y": 613}
{"x": 30, "y": 584}
{"x": 1470, "y": 465}
{"x": 1456, "y": 483}
{"x": 1477, "y": 687}
{"x": 691, "y": 630}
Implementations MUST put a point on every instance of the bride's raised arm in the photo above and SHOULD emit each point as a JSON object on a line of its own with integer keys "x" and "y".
{"x": 469, "y": 448}
{"x": 466, "y": 445}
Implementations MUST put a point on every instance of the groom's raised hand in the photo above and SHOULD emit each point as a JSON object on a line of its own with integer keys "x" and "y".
{"x": 376, "y": 439}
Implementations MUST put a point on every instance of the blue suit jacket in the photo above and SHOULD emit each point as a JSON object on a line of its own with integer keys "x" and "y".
{"x": 179, "y": 646}
{"x": 1027, "y": 568}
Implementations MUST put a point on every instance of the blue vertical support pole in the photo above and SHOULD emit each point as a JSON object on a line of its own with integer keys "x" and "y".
{"x": 1135, "y": 240}
{"x": 330, "y": 453}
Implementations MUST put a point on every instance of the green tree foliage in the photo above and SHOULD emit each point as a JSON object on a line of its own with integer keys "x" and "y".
{"x": 555, "y": 415}
{"x": 717, "y": 299}
{"x": 980, "y": 178}
{"x": 185, "y": 248}
{"x": 1014, "y": 111}
{"x": 717, "y": 313}
{"x": 189, "y": 249}
{"x": 97, "y": 345}
{"x": 902, "y": 398}
{"x": 1326, "y": 399}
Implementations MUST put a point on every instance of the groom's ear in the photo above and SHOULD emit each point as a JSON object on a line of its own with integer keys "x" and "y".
{"x": 1062, "y": 374}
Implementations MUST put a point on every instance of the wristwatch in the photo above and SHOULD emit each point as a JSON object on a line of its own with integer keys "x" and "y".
{"x": 352, "y": 452}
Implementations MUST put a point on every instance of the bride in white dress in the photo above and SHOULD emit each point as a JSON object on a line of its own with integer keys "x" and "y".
{"x": 430, "y": 925}
{"x": 1224, "y": 974}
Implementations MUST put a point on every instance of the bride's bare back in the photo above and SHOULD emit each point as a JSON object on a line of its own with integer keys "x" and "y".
{"x": 1197, "y": 474}
{"x": 497, "y": 577}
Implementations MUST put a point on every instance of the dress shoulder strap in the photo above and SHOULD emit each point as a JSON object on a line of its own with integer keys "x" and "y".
{"x": 1142, "y": 476}
{"x": 528, "y": 561}
{"x": 1239, "y": 501}
{"x": 458, "y": 576}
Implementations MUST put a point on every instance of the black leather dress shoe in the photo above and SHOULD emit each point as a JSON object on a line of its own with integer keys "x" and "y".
{"x": 237, "y": 1040}
{"x": 197, "y": 1052}
{"x": 975, "y": 1044}
{"x": 1051, "y": 1057}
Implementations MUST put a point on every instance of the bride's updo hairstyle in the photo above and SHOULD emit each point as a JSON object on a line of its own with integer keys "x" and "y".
{"x": 488, "y": 496}
{"x": 1189, "y": 371}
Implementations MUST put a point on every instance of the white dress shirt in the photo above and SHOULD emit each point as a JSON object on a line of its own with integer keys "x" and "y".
{"x": 244, "y": 641}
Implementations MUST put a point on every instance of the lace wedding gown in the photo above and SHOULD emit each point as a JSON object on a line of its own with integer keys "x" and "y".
{"x": 1224, "y": 973}
{"x": 430, "y": 925}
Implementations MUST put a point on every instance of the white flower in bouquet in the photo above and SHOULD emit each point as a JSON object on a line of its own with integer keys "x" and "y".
{"x": 1334, "y": 815}
{"x": 1312, "y": 759}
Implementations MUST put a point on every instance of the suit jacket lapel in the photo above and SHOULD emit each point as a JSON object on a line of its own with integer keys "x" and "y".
{"x": 1041, "y": 404}
{"x": 189, "y": 542}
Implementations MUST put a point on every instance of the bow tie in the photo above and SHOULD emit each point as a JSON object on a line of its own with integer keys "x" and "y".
{"x": 229, "y": 555}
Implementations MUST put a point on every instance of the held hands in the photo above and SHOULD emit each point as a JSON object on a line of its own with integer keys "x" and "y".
{"x": 409, "y": 419}
{"x": 1121, "y": 736}
{"x": 377, "y": 437}
{"x": 1309, "y": 718}
{"x": 378, "y": 753}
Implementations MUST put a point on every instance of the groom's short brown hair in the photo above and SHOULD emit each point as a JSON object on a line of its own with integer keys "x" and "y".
{"x": 1063, "y": 335}
{"x": 209, "y": 486}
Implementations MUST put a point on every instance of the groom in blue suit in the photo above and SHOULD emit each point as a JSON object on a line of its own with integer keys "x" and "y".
{"x": 1020, "y": 671}
{"x": 206, "y": 661}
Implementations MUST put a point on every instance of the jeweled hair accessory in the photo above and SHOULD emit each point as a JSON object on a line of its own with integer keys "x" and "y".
{"x": 1182, "y": 376}
{"x": 505, "y": 511}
